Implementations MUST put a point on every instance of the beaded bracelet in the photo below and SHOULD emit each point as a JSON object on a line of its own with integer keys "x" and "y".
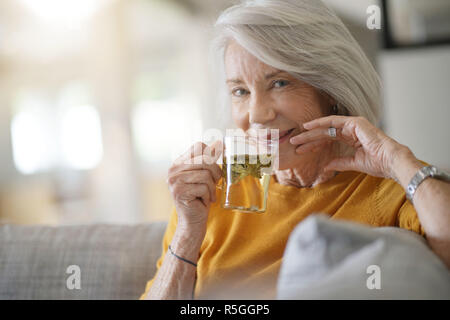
{"x": 181, "y": 258}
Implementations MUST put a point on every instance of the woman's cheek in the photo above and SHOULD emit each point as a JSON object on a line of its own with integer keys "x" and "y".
{"x": 305, "y": 113}
{"x": 302, "y": 105}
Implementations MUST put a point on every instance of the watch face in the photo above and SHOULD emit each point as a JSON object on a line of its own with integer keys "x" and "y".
{"x": 428, "y": 170}
{"x": 433, "y": 170}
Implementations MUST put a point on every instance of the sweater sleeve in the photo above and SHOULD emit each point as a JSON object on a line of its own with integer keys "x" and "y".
{"x": 168, "y": 235}
{"x": 407, "y": 216}
{"x": 408, "y": 219}
{"x": 395, "y": 209}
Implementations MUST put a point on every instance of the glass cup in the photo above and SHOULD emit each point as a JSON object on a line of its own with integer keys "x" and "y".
{"x": 247, "y": 164}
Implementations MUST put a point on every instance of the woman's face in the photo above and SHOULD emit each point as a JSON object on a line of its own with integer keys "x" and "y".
{"x": 267, "y": 98}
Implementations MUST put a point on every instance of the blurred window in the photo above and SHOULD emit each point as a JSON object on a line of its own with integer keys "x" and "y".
{"x": 63, "y": 134}
{"x": 81, "y": 140}
{"x": 32, "y": 132}
{"x": 60, "y": 12}
{"x": 162, "y": 129}
{"x": 169, "y": 86}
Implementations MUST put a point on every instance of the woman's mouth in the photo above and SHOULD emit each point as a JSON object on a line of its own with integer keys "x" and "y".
{"x": 284, "y": 135}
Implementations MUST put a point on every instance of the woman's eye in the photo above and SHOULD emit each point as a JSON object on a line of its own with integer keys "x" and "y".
{"x": 280, "y": 83}
{"x": 239, "y": 92}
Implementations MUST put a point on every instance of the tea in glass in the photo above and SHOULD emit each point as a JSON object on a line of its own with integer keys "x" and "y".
{"x": 247, "y": 168}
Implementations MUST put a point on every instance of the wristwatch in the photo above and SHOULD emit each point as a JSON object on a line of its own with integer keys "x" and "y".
{"x": 421, "y": 175}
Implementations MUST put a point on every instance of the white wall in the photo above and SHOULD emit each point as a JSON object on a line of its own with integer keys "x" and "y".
{"x": 417, "y": 101}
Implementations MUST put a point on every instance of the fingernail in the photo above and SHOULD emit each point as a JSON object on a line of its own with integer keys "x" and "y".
{"x": 292, "y": 140}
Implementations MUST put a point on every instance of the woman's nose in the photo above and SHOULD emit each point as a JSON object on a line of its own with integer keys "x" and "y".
{"x": 261, "y": 112}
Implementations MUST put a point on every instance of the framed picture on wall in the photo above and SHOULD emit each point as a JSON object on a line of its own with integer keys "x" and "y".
{"x": 415, "y": 23}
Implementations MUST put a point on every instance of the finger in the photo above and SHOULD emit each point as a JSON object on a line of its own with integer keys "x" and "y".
{"x": 313, "y": 146}
{"x": 346, "y": 135}
{"x": 330, "y": 121}
{"x": 214, "y": 151}
{"x": 194, "y": 151}
{"x": 312, "y": 135}
{"x": 197, "y": 177}
{"x": 341, "y": 164}
{"x": 199, "y": 191}
{"x": 193, "y": 155}
{"x": 214, "y": 169}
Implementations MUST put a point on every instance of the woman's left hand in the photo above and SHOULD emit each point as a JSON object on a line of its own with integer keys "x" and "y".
{"x": 374, "y": 153}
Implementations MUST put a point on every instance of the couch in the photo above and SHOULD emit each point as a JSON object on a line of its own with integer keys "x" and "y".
{"x": 324, "y": 259}
{"x": 110, "y": 261}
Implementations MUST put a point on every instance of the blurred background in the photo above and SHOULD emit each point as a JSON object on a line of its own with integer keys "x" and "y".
{"x": 86, "y": 85}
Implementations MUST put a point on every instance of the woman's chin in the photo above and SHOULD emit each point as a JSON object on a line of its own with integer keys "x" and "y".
{"x": 292, "y": 160}
{"x": 288, "y": 159}
{"x": 287, "y": 163}
{"x": 284, "y": 165}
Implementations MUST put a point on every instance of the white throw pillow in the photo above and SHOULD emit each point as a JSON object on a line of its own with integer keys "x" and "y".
{"x": 331, "y": 259}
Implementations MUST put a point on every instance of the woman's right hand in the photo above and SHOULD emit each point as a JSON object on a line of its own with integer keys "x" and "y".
{"x": 192, "y": 180}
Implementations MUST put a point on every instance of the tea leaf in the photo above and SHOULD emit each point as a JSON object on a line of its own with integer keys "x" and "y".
{"x": 241, "y": 170}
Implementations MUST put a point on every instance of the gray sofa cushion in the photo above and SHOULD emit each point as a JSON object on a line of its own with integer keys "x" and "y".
{"x": 115, "y": 262}
{"x": 329, "y": 259}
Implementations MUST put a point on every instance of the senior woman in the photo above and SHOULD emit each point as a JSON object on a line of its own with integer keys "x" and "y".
{"x": 292, "y": 66}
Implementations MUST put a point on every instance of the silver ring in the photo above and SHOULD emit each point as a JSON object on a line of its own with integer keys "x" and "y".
{"x": 332, "y": 132}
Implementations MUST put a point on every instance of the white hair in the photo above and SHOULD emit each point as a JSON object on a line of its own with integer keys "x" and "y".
{"x": 306, "y": 39}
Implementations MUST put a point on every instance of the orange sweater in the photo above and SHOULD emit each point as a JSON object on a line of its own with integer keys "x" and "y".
{"x": 241, "y": 254}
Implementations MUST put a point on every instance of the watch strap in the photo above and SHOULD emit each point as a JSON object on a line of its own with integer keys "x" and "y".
{"x": 422, "y": 174}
